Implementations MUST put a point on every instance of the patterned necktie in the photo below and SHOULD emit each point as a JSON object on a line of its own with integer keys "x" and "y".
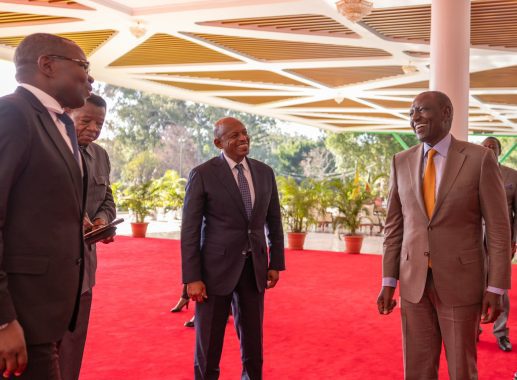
{"x": 244, "y": 189}
{"x": 430, "y": 183}
{"x": 70, "y": 131}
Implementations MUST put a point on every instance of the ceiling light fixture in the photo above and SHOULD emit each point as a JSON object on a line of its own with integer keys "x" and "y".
{"x": 138, "y": 29}
{"x": 354, "y": 10}
{"x": 409, "y": 68}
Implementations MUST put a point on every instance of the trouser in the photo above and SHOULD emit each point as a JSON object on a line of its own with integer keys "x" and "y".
{"x": 429, "y": 322}
{"x": 211, "y": 318}
{"x": 71, "y": 347}
{"x": 500, "y": 324}
{"x": 43, "y": 363}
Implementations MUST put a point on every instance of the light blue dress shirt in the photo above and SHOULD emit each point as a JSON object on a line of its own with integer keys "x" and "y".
{"x": 442, "y": 148}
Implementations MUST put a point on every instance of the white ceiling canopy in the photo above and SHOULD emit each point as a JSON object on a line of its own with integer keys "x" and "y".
{"x": 296, "y": 60}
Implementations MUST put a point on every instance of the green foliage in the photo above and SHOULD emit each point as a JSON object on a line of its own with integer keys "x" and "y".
{"x": 299, "y": 203}
{"x": 141, "y": 169}
{"x": 367, "y": 152}
{"x": 506, "y": 145}
{"x": 116, "y": 189}
{"x": 348, "y": 197}
{"x": 170, "y": 190}
{"x": 141, "y": 199}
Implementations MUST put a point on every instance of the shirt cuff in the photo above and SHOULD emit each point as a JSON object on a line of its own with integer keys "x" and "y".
{"x": 389, "y": 281}
{"x": 492, "y": 289}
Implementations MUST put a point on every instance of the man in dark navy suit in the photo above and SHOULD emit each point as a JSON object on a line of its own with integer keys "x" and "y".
{"x": 229, "y": 201}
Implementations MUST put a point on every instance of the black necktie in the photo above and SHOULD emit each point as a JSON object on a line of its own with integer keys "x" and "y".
{"x": 70, "y": 131}
{"x": 245, "y": 189}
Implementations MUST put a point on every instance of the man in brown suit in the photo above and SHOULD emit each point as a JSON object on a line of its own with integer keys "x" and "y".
{"x": 41, "y": 206}
{"x": 100, "y": 210}
{"x": 509, "y": 175}
{"x": 440, "y": 192}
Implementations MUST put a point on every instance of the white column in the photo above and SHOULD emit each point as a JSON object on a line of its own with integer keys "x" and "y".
{"x": 450, "y": 44}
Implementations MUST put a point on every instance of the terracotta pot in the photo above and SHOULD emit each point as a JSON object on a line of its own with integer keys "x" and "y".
{"x": 295, "y": 240}
{"x": 139, "y": 229}
{"x": 353, "y": 243}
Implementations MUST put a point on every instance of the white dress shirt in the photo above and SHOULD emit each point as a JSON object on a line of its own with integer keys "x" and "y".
{"x": 247, "y": 174}
{"x": 53, "y": 108}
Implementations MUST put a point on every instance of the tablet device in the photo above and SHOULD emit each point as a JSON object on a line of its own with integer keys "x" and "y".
{"x": 103, "y": 232}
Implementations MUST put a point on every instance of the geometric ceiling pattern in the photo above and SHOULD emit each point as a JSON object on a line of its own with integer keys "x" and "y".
{"x": 300, "y": 61}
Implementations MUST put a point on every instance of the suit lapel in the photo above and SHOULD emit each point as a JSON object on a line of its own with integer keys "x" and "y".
{"x": 254, "y": 176}
{"x": 55, "y": 136}
{"x": 452, "y": 168}
{"x": 415, "y": 164}
{"x": 225, "y": 175}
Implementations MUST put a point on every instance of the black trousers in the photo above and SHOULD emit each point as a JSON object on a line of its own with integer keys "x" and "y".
{"x": 71, "y": 347}
{"x": 43, "y": 363}
{"x": 211, "y": 318}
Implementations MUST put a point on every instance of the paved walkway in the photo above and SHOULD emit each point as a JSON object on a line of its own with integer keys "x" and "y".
{"x": 324, "y": 241}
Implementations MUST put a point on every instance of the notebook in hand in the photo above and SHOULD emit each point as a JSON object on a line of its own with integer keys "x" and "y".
{"x": 102, "y": 233}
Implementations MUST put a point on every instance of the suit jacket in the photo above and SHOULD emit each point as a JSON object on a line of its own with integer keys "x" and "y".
{"x": 510, "y": 186}
{"x": 471, "y": 190}
{"x": 99, "y": 203}
{"x": 41, "y": 212}
{"x": 216, "y": 232}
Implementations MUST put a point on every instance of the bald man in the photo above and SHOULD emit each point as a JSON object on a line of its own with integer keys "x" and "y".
{"x": 440, "y": 193}
{"x": 229, "y": 201}
{"x": 41, "y": 206}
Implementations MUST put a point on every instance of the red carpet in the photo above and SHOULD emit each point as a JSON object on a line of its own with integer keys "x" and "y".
{"x": 321, "y": 321}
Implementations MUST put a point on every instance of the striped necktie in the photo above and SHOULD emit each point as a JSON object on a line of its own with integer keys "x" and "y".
{"x": 244, "y": 189}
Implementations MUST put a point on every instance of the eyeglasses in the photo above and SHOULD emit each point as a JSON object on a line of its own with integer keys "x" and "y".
{"x": 81, "y": 62}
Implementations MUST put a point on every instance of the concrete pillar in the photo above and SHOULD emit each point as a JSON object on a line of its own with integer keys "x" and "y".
{"x": 450, "y": 44}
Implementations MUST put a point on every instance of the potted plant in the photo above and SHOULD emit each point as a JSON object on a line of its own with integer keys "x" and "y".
{"x": 349, "y": 198}
{"x": 298, "y": 202}
{"x": 170, "y": 191}
{"x": 141, "y": 200}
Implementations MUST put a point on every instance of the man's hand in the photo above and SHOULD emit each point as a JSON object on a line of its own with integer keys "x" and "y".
{"x": 13, "y": 352}
{"x": 385, "y": 301}
{"x": 99, "y": 222}
{"x": 197, "y": 291}
{"x": 87, "y": 224}
{"x": 492, "y": 307}
{"x": 272, "y": 278}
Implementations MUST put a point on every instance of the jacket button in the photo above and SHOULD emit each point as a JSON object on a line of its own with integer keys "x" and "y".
{"x": 249, "y": 231}
{"x": 426, "y": 253}
{"x": 244, "y": 253}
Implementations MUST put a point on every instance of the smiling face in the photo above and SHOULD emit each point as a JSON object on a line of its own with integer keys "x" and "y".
{"x": 232, "y": 137}
{"x": 430, "y": 118}
{"x": 88, "y": 121}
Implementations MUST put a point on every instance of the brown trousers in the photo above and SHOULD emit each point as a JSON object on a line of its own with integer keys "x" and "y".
{"x": 428, "y": 323}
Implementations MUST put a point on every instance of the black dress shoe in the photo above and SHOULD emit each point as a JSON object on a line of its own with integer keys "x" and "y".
{"x": 504, "y": 344}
